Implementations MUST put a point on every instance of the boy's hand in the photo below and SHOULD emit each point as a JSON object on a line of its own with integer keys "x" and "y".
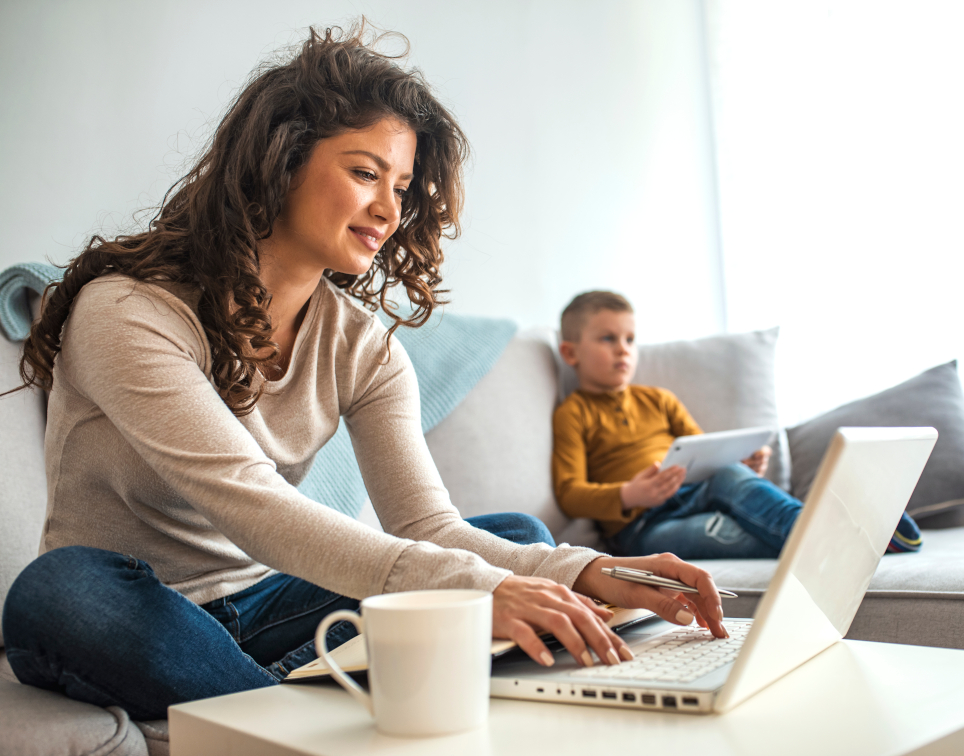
{"x": 759, "y": 460}
{"x": 652, "y": 486}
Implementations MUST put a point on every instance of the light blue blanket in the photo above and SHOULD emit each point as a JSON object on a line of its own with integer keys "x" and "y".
{"x": 15, "y": 281}
{"x": 451, "y": 353}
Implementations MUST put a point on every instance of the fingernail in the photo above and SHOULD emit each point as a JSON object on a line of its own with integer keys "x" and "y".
{"x": 684, "y": 617}
{"x": 627, "y": 653}
{"x": 546, "y": 658}
{"x": 586, "y": 659}
{"x": 611, "y": 655}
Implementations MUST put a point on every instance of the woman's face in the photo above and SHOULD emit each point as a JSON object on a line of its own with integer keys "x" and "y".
{"x": 346, "y": 201}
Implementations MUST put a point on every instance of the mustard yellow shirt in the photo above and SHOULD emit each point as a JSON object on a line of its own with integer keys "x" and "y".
{"x": 601, "y": 441}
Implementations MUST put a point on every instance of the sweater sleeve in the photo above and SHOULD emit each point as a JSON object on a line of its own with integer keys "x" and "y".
{"x": 407, "y": 491}
{"x": 576, "y": 495}
{"x": 139, "y": 359}
{"x": 680, "y": 421}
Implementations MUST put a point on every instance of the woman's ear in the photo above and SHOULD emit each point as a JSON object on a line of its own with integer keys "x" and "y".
{"x": 567, "y": 350}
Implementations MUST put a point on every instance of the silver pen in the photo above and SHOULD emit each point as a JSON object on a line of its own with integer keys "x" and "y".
{"x": 645, "y": 577}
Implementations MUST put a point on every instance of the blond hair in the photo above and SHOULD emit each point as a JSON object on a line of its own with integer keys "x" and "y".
{"x": 589, "y": 303}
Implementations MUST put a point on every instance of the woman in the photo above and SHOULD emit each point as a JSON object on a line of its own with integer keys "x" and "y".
{"x": 196, "y": 368}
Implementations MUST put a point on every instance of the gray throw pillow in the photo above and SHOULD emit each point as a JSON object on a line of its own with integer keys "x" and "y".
{"x": 932, "y": 398}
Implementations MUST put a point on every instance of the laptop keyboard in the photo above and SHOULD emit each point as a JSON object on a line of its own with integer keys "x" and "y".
{"x": 679, "y": 656}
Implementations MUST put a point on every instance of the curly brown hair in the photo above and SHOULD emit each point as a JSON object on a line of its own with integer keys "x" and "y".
{"x": 209, "y": 224}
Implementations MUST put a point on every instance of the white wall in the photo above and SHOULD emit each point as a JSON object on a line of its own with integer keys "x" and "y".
{"x": 591, "y": 168}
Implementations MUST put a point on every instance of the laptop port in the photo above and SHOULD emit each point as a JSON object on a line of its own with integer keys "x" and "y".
{"x": 649, "y": 699}
{"x": 540, "y": 690}
{"x": 688, "y": 701}
{"x": 588, "y": 693}
{"x": 669, "y": 702}
{"x": 609, "y": 694}
{"x": 631, "y": 697}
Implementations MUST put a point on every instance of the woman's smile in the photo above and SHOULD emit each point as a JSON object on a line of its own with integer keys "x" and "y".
{"x": 370, "y": 237}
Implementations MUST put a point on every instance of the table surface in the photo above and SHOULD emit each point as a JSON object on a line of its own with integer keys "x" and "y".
{"x": 856, "y": 698}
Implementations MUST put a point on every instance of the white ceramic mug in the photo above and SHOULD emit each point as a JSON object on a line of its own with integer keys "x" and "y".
{"x": 429, "y": 659}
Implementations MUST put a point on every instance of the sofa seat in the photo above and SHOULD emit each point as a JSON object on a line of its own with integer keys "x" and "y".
{"x": 916, "y": 599}
{"x": 37, "y": 722}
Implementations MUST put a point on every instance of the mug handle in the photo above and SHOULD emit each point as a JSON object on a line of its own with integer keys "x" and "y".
{"x": 321, "y": 646}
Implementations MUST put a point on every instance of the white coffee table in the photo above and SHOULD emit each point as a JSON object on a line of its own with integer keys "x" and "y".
{"x": 856, "y": 698}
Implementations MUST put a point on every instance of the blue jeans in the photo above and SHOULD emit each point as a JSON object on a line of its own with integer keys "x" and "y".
{"x": 736, "y": 514}
{"x": 101, "y": 628}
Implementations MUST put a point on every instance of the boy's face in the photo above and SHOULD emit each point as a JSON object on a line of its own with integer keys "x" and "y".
{"x": 605, "y": 355}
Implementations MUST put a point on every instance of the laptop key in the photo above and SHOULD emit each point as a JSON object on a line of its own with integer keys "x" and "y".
{"x": 678, "y": 656}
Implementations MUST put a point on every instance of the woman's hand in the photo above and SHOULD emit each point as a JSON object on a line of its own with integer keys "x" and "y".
{"x": 759, "y": 460}
{"x": 523, "y": 607}
{"x": 673, "y": 606}
{"x": 652, "y": 486}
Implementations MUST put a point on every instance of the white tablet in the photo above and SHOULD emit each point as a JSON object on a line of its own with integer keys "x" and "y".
{"x": 705, "y": 454}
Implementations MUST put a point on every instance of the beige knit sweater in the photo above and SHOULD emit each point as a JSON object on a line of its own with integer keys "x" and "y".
{"x": 144, "y": 458}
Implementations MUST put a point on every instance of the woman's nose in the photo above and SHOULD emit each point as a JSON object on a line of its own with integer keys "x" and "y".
{"x": 386, "y": 206}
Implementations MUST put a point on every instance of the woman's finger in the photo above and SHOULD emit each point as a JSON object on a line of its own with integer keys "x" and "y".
{"x": 670, "y": 608}
{"x": 545, "y": 605}
{"x": 623, "y": 650}
{"x": 608, "y": 646}
{"x": 689, "y": 605}
{"x": 561, "y": 626}
{"x": 600, "y": 610}
{"x": 578, "y": 629}
{"x": 707, "y": 602}
{"x": 529, "y": 641}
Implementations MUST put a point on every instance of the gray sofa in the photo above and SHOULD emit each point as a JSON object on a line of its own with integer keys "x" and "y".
{"x": 493, "y": 453}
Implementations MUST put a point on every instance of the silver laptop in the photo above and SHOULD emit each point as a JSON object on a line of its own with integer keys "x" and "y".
{"x": 854, "y": 505}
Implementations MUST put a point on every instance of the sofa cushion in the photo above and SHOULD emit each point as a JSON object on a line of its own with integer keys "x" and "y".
{"x": 932, "y": 398}
{"x": 157, "y": 736}
{"x": 23, "y": 484}
{"x": 915, "y": 598}
{"x": 37, "y": 722}
{"x": 725, "y": 381}
{"x": 493, "y": 451}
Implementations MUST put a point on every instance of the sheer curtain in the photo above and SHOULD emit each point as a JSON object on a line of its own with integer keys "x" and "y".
{"x": 840, "y": 140}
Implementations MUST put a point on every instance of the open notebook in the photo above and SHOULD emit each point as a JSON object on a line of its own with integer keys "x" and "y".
{"x": 352, "y": 656}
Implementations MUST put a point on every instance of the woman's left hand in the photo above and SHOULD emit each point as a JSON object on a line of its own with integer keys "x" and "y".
{"x": 673, "y": 606}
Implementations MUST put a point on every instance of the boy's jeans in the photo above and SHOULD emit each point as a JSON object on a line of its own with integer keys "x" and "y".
{"x": 100, "y": 627}
{"x": 736, "y": 514}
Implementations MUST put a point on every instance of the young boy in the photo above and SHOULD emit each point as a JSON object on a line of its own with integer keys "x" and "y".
{"x": 609, "y": 438}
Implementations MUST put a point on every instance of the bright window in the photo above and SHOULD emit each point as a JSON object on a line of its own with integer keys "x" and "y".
{"x": 840, "y": 139}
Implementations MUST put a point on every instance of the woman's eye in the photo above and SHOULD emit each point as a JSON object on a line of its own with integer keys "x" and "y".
{"x": 367, "y": 175}
{"x": 401, "y": 191}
